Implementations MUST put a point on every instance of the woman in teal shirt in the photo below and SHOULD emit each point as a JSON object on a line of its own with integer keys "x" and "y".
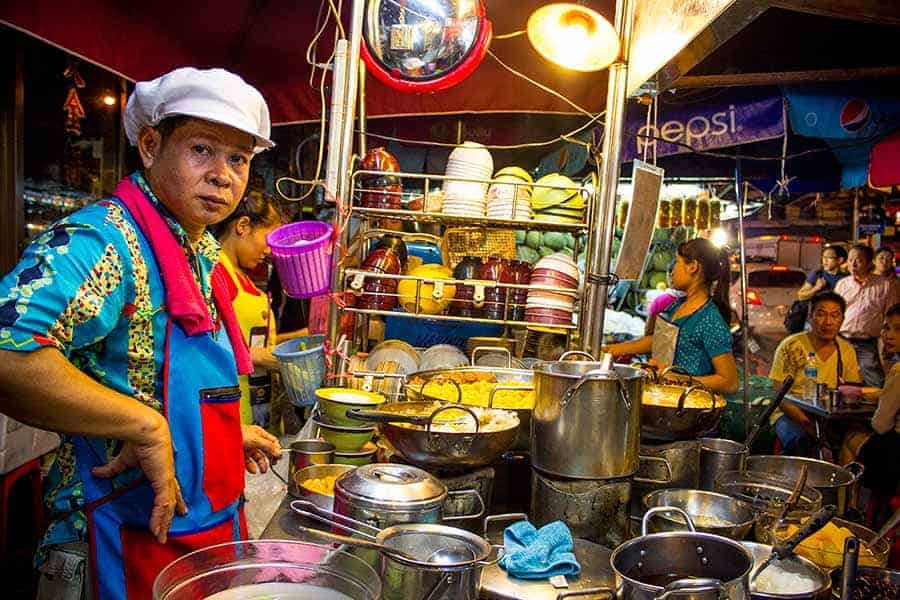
{"x": 692, "y": 333}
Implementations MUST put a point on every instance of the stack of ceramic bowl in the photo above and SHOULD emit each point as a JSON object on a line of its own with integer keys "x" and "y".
{"x": 466, "y": 198}
{"x": 346, "y": 433}
{"x": 510, "y": 196}
{"x": 558, "y": 271}
{"x": 380, "y": 191}
{"x": 562, "y": 203}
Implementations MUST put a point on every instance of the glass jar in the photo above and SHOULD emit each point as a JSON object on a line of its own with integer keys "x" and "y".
{"x": 664, "y": 214}
{"x": 690, "y": 212}
{"x": 702, "y": 219}
{"x": 675, "y": 212}
{"x": 715, "y": 213}
{"x": 622, "y": 214}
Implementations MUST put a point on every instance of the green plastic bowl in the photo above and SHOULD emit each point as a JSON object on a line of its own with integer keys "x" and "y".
{"x": 357, "y": 459}
{"x": 344, "y": 438}
{"x": 335, "y": 402}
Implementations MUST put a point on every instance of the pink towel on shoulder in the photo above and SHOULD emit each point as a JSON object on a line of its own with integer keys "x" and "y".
{"x": 184, "y": 300}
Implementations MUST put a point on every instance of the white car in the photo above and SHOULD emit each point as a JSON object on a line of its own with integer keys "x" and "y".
{"x": 771, "y": 289}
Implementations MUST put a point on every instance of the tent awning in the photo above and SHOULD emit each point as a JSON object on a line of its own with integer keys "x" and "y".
{"x": 265, "y": 41}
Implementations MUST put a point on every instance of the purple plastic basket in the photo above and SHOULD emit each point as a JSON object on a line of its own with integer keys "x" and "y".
{"x": 302, "y": 255}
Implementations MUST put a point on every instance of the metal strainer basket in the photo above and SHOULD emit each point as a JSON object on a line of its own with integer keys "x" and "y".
{"x": 765, "y": 492}
{"x": 482, "y": 242}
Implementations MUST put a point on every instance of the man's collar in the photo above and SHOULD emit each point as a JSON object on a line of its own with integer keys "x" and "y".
{"x": 207, "y": 246}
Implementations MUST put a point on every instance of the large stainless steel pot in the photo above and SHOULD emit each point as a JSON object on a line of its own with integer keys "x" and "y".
{"x": 795, "y": 564}
{"x": 838, "y": 485}
{"x": 437, "y": 563}
{"x": 710, "y": 512}
{"x": 683, "y": 565}
{"x": 387, "y": 494}
{"x": 586, "y": 422}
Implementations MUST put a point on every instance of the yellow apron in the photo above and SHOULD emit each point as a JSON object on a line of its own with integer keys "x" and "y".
{"x": 252, "y": 308}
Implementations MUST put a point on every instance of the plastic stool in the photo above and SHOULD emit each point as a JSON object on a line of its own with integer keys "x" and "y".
{"x": 33, "y": 469}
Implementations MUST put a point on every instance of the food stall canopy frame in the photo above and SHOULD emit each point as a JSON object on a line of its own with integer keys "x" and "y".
{"x": 265, "y": 41}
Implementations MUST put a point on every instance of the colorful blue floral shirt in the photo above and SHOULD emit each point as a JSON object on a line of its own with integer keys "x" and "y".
{"x": 90, "y": 287}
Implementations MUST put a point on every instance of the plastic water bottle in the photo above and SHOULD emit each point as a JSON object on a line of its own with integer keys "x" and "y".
{"x": 811, "y": 377}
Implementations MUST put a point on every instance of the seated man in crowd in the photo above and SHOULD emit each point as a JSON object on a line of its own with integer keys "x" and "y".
{"x": 836, "y": 363}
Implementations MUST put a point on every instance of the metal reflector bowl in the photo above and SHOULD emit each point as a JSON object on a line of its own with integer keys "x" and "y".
{"x": 267, "y": 569}
{"x": 424, "y": 45}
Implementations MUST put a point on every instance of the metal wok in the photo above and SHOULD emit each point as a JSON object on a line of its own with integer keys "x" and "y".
{"x": 424, "y": 447}
{"x": 506, "y": 379}
{"x": 686, "y": 411}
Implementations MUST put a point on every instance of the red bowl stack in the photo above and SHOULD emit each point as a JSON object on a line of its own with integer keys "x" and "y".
{"x": 548, "y": 307}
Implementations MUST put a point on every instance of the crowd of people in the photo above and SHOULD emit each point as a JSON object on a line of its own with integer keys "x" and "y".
{"x": 853, "y": 332}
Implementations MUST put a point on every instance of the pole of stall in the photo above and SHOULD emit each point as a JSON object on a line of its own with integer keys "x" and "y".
{"x": 342, "y": 171}
{"x": 741, "y": 197}
{"x": 600, "y": 237}
{"x": 361, "y": 109}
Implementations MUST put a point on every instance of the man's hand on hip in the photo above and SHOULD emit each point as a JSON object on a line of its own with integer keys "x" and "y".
{"x": 153, "y": 455}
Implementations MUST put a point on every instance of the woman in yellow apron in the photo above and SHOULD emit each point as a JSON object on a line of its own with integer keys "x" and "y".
{"x": 692, "y": 332}
{"x": 243, "y": 239}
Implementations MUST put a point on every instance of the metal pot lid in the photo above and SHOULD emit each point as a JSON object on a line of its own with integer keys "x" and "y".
{"x": 389, "y": 484}
{"x": 575, "y": 369}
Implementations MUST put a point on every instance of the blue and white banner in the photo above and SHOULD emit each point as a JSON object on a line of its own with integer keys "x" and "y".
{"x": 849, "y": 117}
{"x": 718, "y": 124}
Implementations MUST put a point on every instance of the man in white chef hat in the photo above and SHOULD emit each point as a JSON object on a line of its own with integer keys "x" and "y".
{"x": 116, "y": 331}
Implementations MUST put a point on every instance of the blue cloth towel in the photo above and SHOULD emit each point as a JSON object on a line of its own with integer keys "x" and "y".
{"x": 533, "y": 553}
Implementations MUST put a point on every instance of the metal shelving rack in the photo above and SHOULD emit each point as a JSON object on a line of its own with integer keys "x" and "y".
{"x": 416, "y": 185}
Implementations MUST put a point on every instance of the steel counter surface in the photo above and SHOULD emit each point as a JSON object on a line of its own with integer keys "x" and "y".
{"x": 496, "y": 585}
{"x": 595, "y": 572}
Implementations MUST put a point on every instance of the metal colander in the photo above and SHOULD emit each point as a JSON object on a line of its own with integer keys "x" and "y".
{"x": 482, "y": 242}
{"x": 436, "y": 544}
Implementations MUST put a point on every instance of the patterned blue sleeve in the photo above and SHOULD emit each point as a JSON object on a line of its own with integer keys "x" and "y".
{"x": 67, "y": 291}
{"x": 716, "y": 335}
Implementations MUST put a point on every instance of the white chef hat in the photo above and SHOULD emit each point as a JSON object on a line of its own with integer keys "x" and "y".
{"x": 211, "y": 94}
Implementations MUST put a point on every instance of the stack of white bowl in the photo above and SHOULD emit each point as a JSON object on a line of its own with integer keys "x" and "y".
{"x": 506, "y": 200}
{"x": 557, "y": 271}
{"x": 467, "y": 198}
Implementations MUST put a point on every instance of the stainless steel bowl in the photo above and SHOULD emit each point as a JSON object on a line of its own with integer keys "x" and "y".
{"x": 315, "y": 472}
{"x": 711, "y": 512}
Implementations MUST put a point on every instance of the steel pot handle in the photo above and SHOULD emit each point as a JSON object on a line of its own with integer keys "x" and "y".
{"x": 500, "y": 349}
{"x": 448, "y": 407}
{"x": 678, "y": 371}
{"x": 505, "y": 388}
{"x": 679, "y": 409}
{"x": 587, "y": 592}
{"x": 481, "y": 507}
{"x": 666, "y": 509}
{"x": 444, "y": 379}
{"x": 565, "y": 355}
{"x": 308, "y": 509}
{"x": 515, "y": 517}
{"x": 659, "y": 459}
{"x": 649, "y": 369}
{"x": 856, "y": 469}
{"x": 593, "y": 375}
{"x": 699, "y": 585}
{"x": 497, "y": 554}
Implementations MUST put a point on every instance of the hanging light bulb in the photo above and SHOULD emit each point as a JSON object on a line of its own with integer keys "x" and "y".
{"x": 573, "y": 36}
